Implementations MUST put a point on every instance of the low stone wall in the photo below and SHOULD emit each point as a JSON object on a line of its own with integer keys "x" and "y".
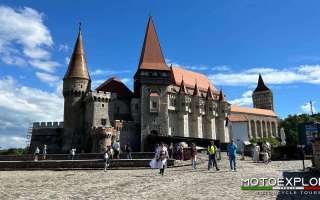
{"x": 76, "y": 164}
{"x": 82, "y": 156}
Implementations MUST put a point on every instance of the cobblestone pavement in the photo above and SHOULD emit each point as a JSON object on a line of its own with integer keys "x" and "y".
{"x": 177, "y": 183}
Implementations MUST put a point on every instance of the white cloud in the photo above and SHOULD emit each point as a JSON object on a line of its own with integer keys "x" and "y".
{"x": 12, "y": 142}
{"x": 306, "y": 108}
{"x": 126, "y": 80}
{"x": 220, "y": 68}
{"x": 99, "y": 72}
{"x": 198, "y": 67}
{"x": 244, "y": 100}
{"x": 47, "y": 66}
{"x": 21, "y": 105}
{"x": 301, "y": 74}
{"x": 47, "y": 78}
{"x": 24, "y": 39}
{"x": 63, "y": 48}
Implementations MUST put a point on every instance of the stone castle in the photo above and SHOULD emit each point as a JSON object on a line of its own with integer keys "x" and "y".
{"x": 167, "y": 101}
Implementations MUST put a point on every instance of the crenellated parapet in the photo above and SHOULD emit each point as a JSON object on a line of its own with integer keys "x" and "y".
{"x": 47, "y": 125}
{"x": 98, "y": 96}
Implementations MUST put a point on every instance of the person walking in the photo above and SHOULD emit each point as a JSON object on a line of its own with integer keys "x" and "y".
{"x": 163, "y": 158}
{"x": 106, "y": 158}
{"x": 72, "y": 153}
{"x": 44, "y": 152}
{"x": 232, "y": 153}
{"x": 194, "y": 156}
{"x": 128, "y": 150}
{"x": 116, "y": 150}
{"x": 170, "y": 150}
{"x": 256, "y": 153}
{"x": 36, "y": 154}
{"x": 212, "y": 149}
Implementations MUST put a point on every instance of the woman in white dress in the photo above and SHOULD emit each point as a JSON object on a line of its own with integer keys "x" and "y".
{"x": 256, "y": 153}
{"x": 163, "y": 155}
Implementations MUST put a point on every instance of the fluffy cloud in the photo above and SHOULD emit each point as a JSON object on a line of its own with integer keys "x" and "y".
{"x": 244, "y": 100}
{"x": 302, "y": 74}
{"x": 21, "y": 105}
{"x": 306, "y": 108}
{"x": 198, "y": 67}
{"x": 47, "y": 78}
{"x": 24, "y": 39}
{"x": 102, "y": 72}
{"x": 63, "y": 48}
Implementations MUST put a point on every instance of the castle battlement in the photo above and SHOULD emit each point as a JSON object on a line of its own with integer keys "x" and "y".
{"x": 98, "y": 96}
{"x": 47, "y": 125}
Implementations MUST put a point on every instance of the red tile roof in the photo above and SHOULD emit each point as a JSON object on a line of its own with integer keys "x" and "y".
{"x": 190, "y": 78}
{"x": 255, "y": 111}
{"x": 238, "y": 118}
{"x": 114, "y": 85}
{"x": 151, "y": 54}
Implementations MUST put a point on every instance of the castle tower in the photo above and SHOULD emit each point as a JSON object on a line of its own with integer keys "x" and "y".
{"x": 211, "y": 114}
{"x": 183, "y": 110}
{"x": 76, "y": 83}
{"x": 262, "y": 96}
{"x": 197, "y": 113}
{"x": 150, "y": 85}
{"x": 222, "y": 126}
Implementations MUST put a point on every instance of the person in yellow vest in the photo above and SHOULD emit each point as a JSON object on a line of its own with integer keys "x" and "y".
{"x": 212, "y": 149}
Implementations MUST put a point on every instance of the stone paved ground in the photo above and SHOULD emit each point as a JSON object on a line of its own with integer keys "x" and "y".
{"x": 177, "y": 183}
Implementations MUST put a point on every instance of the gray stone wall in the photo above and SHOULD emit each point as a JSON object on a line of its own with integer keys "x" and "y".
{"x": 130, "y": 134}
{"x": 153, "y": 122}
{"x": 74, "y": 91}
{"x": 49, "y": 133}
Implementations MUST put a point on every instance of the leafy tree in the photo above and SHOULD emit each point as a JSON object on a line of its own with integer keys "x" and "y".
{"x": 290, "y": 125}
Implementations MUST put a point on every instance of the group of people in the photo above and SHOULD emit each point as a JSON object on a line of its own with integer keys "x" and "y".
{"x": 37, "y": 153}
{"x": 213, "y": 152}
{"x": 162, "y": 154}
{"x": 261, "y": 152}
{"x": 113, "y": 152}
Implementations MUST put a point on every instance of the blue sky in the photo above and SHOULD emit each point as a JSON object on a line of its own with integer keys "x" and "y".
{"x": 230, "y": 41}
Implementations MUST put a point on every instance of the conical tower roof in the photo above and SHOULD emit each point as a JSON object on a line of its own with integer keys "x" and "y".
{"x": 261, "y": 86}
{"x": 183, "y": 89}
{"x": 196, "y": 90}
{"x": 151, "y": 54}
{"x": 221, "y": 96}
{"x": 78, "y": 65}
{"x": 209, "y": 93}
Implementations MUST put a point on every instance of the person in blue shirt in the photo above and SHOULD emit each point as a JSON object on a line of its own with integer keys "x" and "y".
{"x": 232, "y": 153}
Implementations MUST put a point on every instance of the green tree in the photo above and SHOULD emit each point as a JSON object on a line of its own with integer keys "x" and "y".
{"x": 290, "y": 125}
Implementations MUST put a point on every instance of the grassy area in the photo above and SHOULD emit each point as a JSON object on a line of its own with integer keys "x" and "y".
{"x": 13, "y": 151}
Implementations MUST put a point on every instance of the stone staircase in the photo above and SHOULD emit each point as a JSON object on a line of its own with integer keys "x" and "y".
{"x": 81, "y": 161}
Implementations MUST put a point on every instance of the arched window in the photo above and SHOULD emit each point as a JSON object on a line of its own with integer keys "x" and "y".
{"x": 269, "y": 129}
{"x": 253, "y": 129}
{"x": 273, "y": 126}
{"x": 259, "y": 128}
{"x": 264, "y": 129}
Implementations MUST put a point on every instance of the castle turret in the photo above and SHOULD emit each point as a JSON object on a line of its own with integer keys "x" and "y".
{"x": 262, "y": 96}
{"x": 151, "y": 83}
{"x": 76, "y": 83}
